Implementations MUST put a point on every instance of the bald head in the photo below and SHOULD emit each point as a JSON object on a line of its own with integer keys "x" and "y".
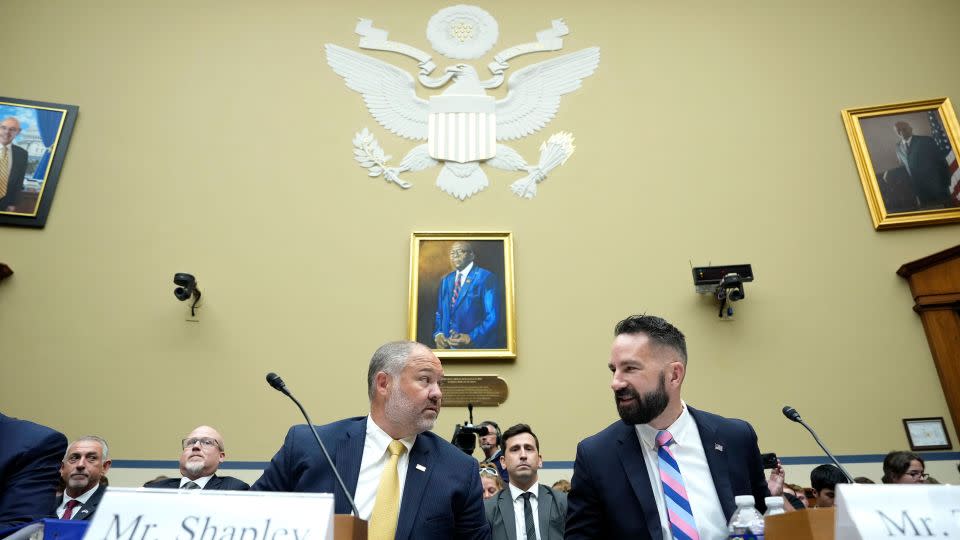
{"x": 9, "y": 129}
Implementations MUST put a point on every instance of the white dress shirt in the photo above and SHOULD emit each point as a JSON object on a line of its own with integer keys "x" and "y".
{"x": 82, "y": 499}
{"x": 202, "y": 481}
{"x": 688, "y": 451}
{"x": 375, "y": 456}
{"x": 521, "y": 523}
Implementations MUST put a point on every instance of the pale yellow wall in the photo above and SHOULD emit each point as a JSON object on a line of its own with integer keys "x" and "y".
{"x": 214, "y": 139}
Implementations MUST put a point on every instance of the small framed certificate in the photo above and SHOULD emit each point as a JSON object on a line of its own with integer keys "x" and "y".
{"x": 927, "y": 433}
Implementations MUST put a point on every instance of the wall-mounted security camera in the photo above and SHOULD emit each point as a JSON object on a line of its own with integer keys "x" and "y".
{"x": 724, "y": 282}
{"x": 187, "y": 288}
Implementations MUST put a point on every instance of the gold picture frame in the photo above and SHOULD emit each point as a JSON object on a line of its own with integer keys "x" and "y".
{"x": 475, "y": 319}
{"x": 887, "y": 142}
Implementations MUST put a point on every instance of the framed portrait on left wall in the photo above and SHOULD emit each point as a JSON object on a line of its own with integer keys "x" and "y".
{"x": 462, "y": 294}
{"x": 34, "y": 136}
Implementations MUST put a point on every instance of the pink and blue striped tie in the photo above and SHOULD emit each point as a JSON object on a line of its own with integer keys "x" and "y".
{"x": 682, "y": 524}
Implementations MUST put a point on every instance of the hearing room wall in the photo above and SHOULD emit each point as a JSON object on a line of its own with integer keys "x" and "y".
{"x": 214, "y": 139}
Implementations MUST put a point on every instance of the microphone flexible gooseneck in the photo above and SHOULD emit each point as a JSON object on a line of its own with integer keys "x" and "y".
{"x": 794, "y": 416}
{"x": 277, "y": 383}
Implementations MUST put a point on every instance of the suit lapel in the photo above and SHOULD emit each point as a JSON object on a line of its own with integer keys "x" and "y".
{"x": 545, "y": 504}
{"x": 214, "y": 483}
{"x": 632, "y": 458}
{"x": 349, "y": 452}
{"x": 415, "y": 485}
{"x": 505, "y": 505}
{"x": 715, "y": 450}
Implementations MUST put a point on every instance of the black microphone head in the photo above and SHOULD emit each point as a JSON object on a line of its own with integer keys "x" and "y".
{"x": 276, "y": 382}
{"x": 791, "y": 413}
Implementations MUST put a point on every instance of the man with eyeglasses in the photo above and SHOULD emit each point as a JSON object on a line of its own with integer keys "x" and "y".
{"x": 469, "y": 305}
{"x": 201, "y": 457}
{"x": 84, "y": 465}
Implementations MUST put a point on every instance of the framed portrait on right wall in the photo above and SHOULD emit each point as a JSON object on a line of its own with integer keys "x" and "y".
{"x": 906, "y": 155}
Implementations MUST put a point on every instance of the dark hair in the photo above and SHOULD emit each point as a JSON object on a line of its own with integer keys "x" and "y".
{"x": 863, "y": 480}
{"x": 658, "y": 330}
{"x": 827, "y": 476}
{"x": 896, "y": 464}
{"x": 496, "y": 429}
{"x": 513, "y": 431}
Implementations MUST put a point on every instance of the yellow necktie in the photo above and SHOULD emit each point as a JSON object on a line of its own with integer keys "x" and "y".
{"x": 386, "y": 507}
{"x": 4, "y": 170}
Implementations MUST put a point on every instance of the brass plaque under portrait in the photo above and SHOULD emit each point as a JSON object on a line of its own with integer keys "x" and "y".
{"x": 476, "y": 390}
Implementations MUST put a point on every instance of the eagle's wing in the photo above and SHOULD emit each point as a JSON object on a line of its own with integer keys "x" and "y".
{"x": 387, "y": 90}
{"x": 534, "y": 92}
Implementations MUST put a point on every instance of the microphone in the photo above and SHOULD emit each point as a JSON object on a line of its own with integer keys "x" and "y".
{"x": 277, "y": 383}
{"x": 794, "y": 416}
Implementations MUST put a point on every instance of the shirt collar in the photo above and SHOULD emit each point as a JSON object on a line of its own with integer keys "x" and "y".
{"x": 83, "y": 498}
{"x": 202, "y": 481}
{"x": 516, "y": 492}
{"x": 466, "y": 269}
{"x": 378, "y": 440}
{"x": 679, "y": 429}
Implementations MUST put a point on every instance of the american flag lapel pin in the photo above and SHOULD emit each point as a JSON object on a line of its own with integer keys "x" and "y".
{"x": 718, "y": 447}
{"x": 421, "y": 468}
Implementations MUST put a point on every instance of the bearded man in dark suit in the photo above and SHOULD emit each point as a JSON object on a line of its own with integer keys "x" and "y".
{"x": 203, "y": 453}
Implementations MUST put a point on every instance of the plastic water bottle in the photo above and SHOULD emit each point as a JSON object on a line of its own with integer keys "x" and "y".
{"x": 774, "y": 506}
{"x": 746, "y": 523}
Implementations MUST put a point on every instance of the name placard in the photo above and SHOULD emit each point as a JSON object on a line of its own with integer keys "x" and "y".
{"x": 897, "y": 511}
{"x": 170, "y": 514}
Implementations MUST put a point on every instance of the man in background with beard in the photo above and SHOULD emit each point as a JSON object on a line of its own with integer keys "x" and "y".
{"x": 202, "y": 454}
{"x": 666, "y": 469}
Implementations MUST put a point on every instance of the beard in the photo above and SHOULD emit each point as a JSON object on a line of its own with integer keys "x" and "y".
{"x": 194, "y": 467}
{"x": 402, "y": 411}
{"x": 644, "y": 408}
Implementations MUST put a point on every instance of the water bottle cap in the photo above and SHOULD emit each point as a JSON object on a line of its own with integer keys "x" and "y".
{"x": 773, "y": 501}
{"x": 744, "y": 500}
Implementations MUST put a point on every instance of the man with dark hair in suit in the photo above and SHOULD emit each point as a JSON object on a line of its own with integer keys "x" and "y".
{"x": 85, "y": 463}
{"x": 926, "y": 165}
{"x": 30, "y": 455}
{"x": 408, "y": 482}
{"x": 824, "y": 479}
{"x": 663, "y": 454}
{"x": 202, "y": 454}
{"x": 526, "y": 509}
{"x": 13, "y": 164}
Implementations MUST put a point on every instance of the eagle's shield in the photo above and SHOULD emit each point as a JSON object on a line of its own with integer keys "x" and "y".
{"x": 462, "y": 128}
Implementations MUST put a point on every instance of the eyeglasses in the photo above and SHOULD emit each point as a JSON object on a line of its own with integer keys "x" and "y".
{"x": 207, "y": 442}
{"x": 918, "y": 474}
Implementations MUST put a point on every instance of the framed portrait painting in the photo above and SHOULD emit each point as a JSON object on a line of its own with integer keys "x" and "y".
{"x": 906, "y": 155}
{"x": 462, "y": 295}
{"x": 33, "y": 143}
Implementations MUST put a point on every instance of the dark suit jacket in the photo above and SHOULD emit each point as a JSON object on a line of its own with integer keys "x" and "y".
{"x": 478, "y": 311}
{"x": 85, "y": 511}
{"x": 217, "y": 482}
{"x": 30, "y": 456}
{"x": 928, "y": 169}
{"x": 18, "y": 169}
{"x": 551, "y": 513}
{"x": 442, "y": 501}
{"x": 611, "y": 496}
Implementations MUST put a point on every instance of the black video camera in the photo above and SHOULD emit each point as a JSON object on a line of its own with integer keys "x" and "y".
{"x": 465, "y": 435}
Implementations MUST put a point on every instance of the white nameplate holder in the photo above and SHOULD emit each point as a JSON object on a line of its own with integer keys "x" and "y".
{"x": 866, "y": 511}
{"x": 170, "y": 514}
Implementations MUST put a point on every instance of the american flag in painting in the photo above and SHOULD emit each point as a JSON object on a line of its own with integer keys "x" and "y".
{"x": 940, "y": 137}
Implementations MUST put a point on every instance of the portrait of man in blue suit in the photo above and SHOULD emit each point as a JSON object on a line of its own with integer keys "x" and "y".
{"x": 469, "y": 311}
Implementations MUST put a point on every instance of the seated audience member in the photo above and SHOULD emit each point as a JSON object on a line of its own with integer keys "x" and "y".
{"x": 903, "y": 468}
{"x": 201, "y": 457}
{"x": 562, "y": 485}
{"x": 525, "y": 508}
{"x": 29, "y": 457}
{"x": 791, "y": 501}
{"x": 797, "y": 492}
{"x": 863, "y": 480}
{"x": 84, "y": 465}
{"x": 825, "y": 479}
{"x": 490, "y": 480}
